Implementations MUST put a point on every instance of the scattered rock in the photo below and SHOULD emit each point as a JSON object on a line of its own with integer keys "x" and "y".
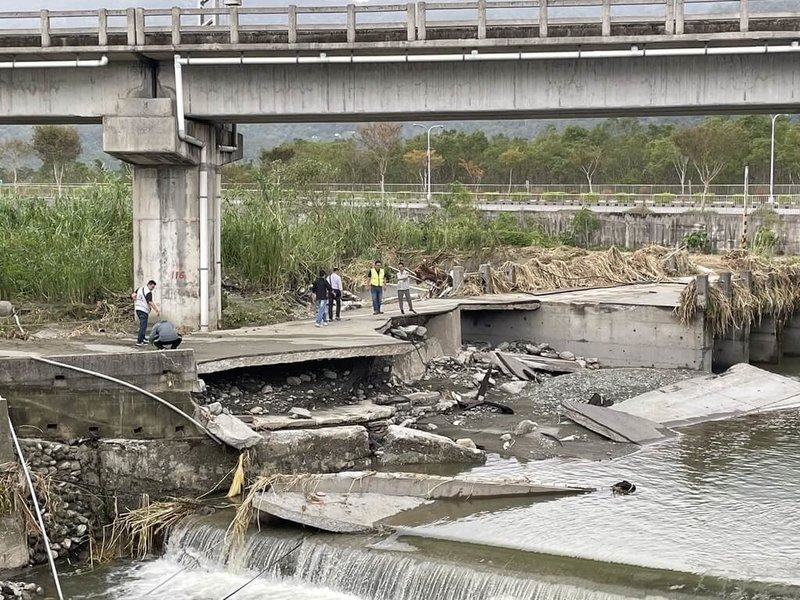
{"x": 506, "y": 437}
{"x": 466, "y": 443}
{"x": 524, "y": 427}
{"x": 409, "y": 446}
{"x": 299, "y": 413}
{"x": 256, "y": 410}
{"x": 432, "y": 427}
{"x": 514, "y": 387}
{"x": 235, "y": 391}
{"x": 305, "y": 378}
{"x": 267, "y": 389}
{"x": 294, "y": 381}
{"x": 328, "y": 374}
{"x": 215, "y": 408}
{"x": 566, "y": 355}
{"x": 423, "y": 398}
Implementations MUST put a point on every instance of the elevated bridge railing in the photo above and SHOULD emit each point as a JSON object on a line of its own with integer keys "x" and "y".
{"x": 466, "y": 21}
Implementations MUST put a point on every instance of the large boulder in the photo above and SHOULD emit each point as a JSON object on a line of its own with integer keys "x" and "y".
{"x": 404, "y": 446}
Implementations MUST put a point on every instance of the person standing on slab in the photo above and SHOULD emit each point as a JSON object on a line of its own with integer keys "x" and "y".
{"x": 336, "y": 294}
{"x": 377, "y": 282}
{"x": 322, "y": 292}
{"x": 143, "y": 304}
{"x": 165, "y": 334}
{"x": 404, "y": 288}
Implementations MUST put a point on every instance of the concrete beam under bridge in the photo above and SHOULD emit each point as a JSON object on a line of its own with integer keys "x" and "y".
{"x": 587, "y": 87}
{"x": 497, "y": 89}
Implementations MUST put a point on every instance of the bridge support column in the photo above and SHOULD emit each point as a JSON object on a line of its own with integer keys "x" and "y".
{"x": 167, "y": 206}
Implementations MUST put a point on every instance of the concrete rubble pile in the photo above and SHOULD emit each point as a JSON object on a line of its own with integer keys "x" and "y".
{"x": 18, "y": 590}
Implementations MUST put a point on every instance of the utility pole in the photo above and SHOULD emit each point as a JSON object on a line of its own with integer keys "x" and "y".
{"x": 772, "y": 159}
{"x": 431, "y": 128}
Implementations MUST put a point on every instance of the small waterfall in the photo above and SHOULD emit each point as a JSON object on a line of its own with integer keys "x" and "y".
{"x": 345, "y": 565}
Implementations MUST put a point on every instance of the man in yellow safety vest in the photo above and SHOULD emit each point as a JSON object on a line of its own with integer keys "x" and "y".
{"x": 377, "y": 281}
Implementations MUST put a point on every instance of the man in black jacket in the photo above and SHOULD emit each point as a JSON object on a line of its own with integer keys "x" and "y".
{"x": 322, "y": 291}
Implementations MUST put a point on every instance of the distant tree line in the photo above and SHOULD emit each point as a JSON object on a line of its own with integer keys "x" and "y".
{"x": 623, "y": 151}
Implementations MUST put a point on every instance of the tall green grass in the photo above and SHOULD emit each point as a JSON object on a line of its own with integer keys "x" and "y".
{"x": 73, "y": 249}
{"x": 78, "y": 249}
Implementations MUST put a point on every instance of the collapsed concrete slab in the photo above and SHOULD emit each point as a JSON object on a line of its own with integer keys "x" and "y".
{"x": 404, "y": 446}
{"x": 339, "y": 513}
{"x": 362, "y": 501}
{"x": 417, "y": 484}
{"x": 742, "y": 389}
{"x": 615, "y": 425}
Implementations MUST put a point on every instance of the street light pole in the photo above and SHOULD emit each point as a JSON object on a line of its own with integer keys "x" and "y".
{"x": 431, "y": 128}
{"x": 772, "y": 159}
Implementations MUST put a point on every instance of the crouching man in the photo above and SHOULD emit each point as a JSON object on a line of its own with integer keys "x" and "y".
{"x": 165, "y": 334}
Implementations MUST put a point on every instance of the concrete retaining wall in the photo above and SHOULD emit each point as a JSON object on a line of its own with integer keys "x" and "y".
{"x": 157, "y": 372}
{"x": 616, "y": 334}
{"x": 626, "y": 230}
{"x": 71, "y": 415}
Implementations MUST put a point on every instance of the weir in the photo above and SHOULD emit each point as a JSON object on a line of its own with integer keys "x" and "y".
{"x": 407, "y": 568}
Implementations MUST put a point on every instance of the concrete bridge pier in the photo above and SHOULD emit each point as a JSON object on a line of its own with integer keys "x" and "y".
{"x": 172, "y": 190}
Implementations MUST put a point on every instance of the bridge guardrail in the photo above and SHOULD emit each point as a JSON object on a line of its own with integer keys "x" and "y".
{"x": 411, "y": 22}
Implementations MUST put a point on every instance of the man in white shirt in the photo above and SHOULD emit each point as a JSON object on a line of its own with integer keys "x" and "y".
{"x": 143, "y": 304}
{"x": 336, "y": 294}
{"x": 404, "y": 288}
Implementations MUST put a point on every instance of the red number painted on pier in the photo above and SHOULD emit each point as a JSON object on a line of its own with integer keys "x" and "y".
{"x": 179, "y": 275}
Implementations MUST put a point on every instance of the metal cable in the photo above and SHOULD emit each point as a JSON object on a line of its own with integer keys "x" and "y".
{"x": 38, "y": 510}
{"x": 133, "y": 387}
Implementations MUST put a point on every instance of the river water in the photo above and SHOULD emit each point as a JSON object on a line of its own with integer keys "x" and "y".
{"x": 716, "y": 509}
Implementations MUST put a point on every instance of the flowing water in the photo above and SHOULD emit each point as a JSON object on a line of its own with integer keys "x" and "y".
{"x": 714, "y": 515}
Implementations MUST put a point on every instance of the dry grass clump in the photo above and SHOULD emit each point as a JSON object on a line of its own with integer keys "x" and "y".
{"x": 15, "y": 495}
{"x": 774, "y": 293}
{"x": 563, "y": 268}
{"x": 137, "y": 532}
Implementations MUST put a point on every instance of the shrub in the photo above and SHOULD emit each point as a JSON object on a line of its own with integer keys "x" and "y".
{"x": 696, "y": 240}
{"x": 592, "y": 198}
{"x": 663, "y": 199}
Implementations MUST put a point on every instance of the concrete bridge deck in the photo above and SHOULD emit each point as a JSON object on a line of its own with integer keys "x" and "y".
{"x": 358, "y": 334}
{"x": 481, "y": 23}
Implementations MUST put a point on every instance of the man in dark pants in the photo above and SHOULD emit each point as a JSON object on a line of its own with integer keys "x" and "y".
{"x": 165, "y": 334}
{"x": 377, "y": 282}
{"x": 336, "y": 294}
{"x": 143, "y": 304}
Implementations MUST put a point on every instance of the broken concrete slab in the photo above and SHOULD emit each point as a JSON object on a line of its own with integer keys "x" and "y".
{"x": 418, "y": 485}
{"x": 335, "y": 512}
{"x": 233, "y": 431}
{"x": 404, "y": 446}
{"x": 614, "y": 425}
{"x": 322, "y": 450}
{"x": 742, "y": 389}
{"x": 355, "y": 414}
{"x": 523, "y": 366}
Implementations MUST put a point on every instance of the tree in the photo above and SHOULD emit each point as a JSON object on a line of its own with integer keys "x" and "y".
{"x": 417, "y": 161}
{"x": 588, "y": 159}
{"x": 56, "y": 147}
{"x": 474, "y": 172}
{"x": 511, "y": 158}
{"x": 380, "y": 140}
{"x": 663, "y": 157}
{"x": 14, "y": 154}
{"x": 709, "y": 147}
